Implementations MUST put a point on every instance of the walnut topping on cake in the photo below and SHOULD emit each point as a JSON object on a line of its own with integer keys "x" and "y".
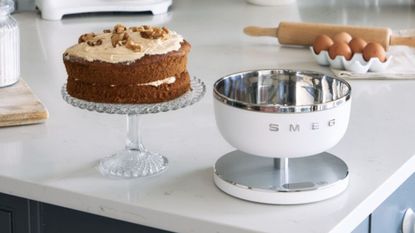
{"x": 119, "y": 39}
{"x": 120, "y": 36}
{"x": 89, "y": 39}
{"x": 133, "y": 29}
{"x": 119, "y": 43}
{"x": 86, "y": 37}
{"x": 125, "y": 36}
{"x": 143, "y": 28}
{"x": 132, "y": 45}
{"x": 119, "y": 28}
{"x": 153, "y": 32}
{"x": 94, "y": 43}
{"x": 139, "y": 29}
{"x": 116, "y": 40}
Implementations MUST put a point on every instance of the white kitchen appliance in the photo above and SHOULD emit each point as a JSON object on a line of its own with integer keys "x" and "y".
{"x": 281, "y": 122}
{"x": 55, "y": 9}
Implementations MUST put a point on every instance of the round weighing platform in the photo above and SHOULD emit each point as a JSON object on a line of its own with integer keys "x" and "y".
{"x": 281, "y": 181}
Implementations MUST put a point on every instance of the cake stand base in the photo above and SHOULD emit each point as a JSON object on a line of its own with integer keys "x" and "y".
{"x": 133, "y": 164}
{"x": 281, "y": 180}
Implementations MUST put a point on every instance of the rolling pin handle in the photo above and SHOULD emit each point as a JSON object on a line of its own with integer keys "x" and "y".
{"x": 260, "y": 31}
{"x": 400, "y": 40}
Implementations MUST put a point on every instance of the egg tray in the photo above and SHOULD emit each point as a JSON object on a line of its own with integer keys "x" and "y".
{"x": 356, "y": 64}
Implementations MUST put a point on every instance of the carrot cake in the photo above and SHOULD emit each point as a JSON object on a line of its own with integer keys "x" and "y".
{"x": 128, "y": 65}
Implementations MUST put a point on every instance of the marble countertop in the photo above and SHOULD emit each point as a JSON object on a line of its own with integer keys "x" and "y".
{"x": 55, "y": 162}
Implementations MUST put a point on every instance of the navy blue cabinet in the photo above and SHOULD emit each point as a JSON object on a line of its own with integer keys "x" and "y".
{"x": 63, "y": 220}
{"x": 5, "y": 221}
{"x": 388, "y": 216}
{"x": 14, "y": 215}
{"x": 19, "y": 215}
{"x": 363, "y": 227}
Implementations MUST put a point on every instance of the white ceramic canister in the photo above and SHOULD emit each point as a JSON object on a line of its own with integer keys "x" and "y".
{"x": 9, "y": 45}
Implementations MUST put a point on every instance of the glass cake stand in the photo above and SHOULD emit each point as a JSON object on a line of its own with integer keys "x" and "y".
{"x": 135, "y": 160}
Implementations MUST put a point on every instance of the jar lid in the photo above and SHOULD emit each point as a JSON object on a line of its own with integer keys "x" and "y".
{"x": 6, "y": 7}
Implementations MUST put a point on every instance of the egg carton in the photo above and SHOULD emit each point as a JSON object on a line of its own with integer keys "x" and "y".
{"x": 356, "y": 64}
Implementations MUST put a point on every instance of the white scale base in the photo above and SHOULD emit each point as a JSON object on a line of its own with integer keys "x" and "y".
{"x": 266, "y": 180}
{"x": 55, "y": 9}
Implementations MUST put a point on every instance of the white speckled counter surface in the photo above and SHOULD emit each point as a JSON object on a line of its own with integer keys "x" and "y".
{"x": 55, "y": 162}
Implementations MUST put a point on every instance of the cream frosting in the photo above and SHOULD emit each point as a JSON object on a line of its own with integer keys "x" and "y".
{"x": 157, "y": 83}
{"x": 120, "y": 54}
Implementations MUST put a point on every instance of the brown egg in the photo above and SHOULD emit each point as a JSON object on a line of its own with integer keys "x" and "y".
{"x": 340, "y": 49}
{"x": 342, "y": 37}
{"x": 322, "y": 42}
{"x": 374, "y": 49}
{"x": 357, "y": 45}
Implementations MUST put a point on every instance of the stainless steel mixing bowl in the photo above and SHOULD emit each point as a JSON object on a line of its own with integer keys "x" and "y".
{"x": 282, "y": 113}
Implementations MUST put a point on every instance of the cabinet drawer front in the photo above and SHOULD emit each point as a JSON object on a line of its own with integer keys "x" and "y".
{"x": 363, "y": 227}
{"x": 15, "y": 211}
{"x": 388, "y": 216}
{"x": 5, "y": 221}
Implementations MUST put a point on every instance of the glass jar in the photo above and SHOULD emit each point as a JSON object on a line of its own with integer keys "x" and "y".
{"x": 9, "y": 45}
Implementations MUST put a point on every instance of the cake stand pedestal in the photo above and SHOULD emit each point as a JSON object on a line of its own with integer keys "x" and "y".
{"x": 135, "y": 160}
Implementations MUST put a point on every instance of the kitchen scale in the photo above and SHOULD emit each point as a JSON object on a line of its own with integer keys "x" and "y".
{"x": 55, "y": 9}
{"x": 281, "y": 122}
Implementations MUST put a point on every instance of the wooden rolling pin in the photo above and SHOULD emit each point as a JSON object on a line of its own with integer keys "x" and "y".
{"x": 290, "y": 33}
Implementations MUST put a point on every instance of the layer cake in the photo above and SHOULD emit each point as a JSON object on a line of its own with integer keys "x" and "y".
{"x": 128, "y": 65}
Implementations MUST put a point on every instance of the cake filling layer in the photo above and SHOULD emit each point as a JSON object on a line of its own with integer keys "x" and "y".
{"x": 157, "y": 83}
{"x": 130, "y": 93}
